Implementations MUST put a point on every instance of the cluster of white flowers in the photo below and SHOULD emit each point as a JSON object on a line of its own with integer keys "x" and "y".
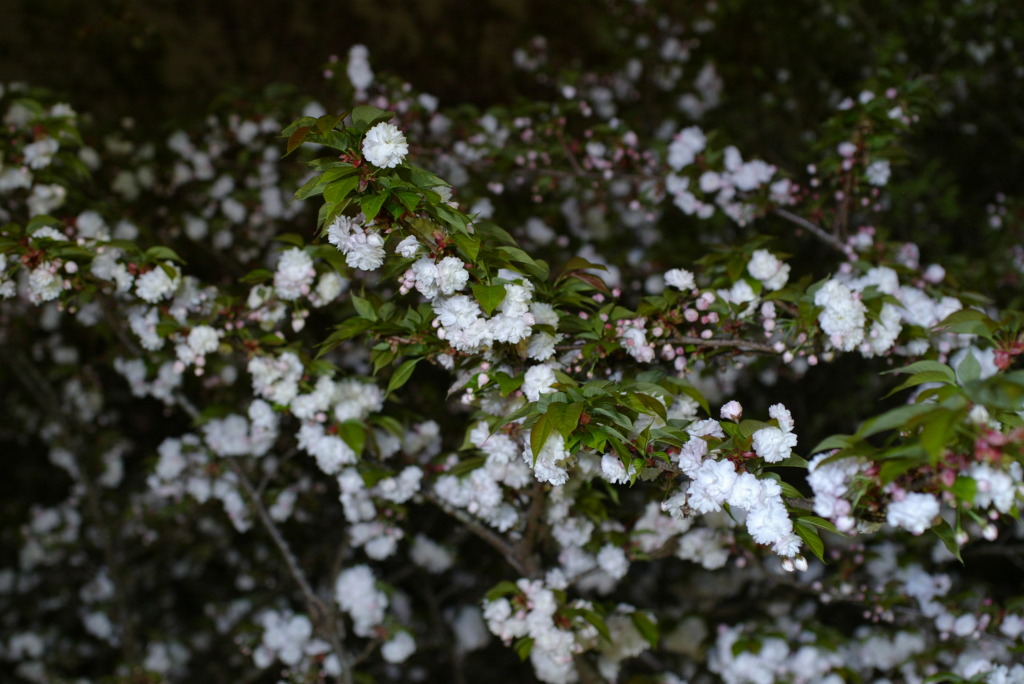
{"x": 182, "y": 469}
{"x": 289, "y": 638}
{"x": 685, "y": 147}
{"x": 234, "y": 435}
{"x": 769, "y": 269}
{"x": 460, "y": 320}
{"x": 775, "y": 444}
{"x": 843, "y": 315}
{"x": 829, "y": 481}
{"x": 716, "y": 482}
{"x": 200, "y": 341}
{"x": 632, "y": 334}
{"x": 163, "y": 385}
{"x": 158, "y": 283}
{"x": 551, "y": 463}
{"x": 363, "y": 247}
{"x": 378, "y": 539}
{"x": 330, "y": 451}
{"x": 997, "y": 487}
{"x": 532, "y": 614}
{"x": 446, "y": 277}
{"x": 726, "y": 185}
{"x": 774, "y": 661}
{"x": 276, "y": 379}
{"x": 294, "y": 275}
{"x": 357, "y": 594}
{"x": 913, "y": 511}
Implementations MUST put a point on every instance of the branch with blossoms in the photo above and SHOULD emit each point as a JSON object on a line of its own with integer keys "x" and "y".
{"x": 575, "y": 404}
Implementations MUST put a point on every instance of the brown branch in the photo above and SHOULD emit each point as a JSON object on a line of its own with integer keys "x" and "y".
{"x": 744, "y": 345}
{"x": 318, "y": 610}
{"x": 320, "y": 613}
{"x": 499, "y": 543}
{"x": 816, "y": 230}
{"x": 526, "y": 546}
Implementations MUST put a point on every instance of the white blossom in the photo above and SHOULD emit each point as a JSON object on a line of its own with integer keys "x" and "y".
{"x": 385, "y": 146}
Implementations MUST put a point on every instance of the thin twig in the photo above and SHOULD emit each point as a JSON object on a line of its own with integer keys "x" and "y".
{"x": 525, "y": 548}
{"x": 499, "y": 543}
{"x": 816, "y": 230}
{"x": 745, "y": 345}
{"x": 577, "y": 169}
{"x": 318, "y": 610}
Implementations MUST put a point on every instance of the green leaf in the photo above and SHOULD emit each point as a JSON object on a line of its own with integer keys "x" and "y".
{"x": 820, "y": 523}
{"x": 1005, "y": 391}
{"x": 353, "y": 432}
{"x": 166, "y": 327}
{"x": 651, "y": 404}
{"x": 408, "y": 199}
{"x": 594, "y": 618}
{"x": 893, "y": 468}
{"x": 382, "y": 356}
{"x": 260, "y": 275}
{"x": 364, "y": 307}
{"x": 925, "y": 366}
{"x": 348, "y": 329}
{"x": 365, "y": 117}
{"x": 503, "y": 588}
{"x": 401, "y": 375}
{"x": 340, "y": 189}
{"x": 578, "y": 263}
{"x": 894, "y": 418}
{"x": 327, "y": 122}
{"x": 539, "y": 434}
{"x": 371, "y": 204}
{"x": 646, "y": 626}
{"x": 792, "y": 461}
{"x": 296, "y": 139}
{"x": 969, "y": 369}
{"x": 749, "y": 427}
{"x": 489, "y": 296}
{"x": 925, "y": 377}
{"x": 937, "y": 431}
{"x": 456, "y": 219}
{"x": 968, "y": 321}
{"x": 535, "y": 268}
{"x": 334, "y": 173}
{"x": 468, "y": 245}
{"x": 421, "y": 178}
{"x": 946, "y": 533}
{"x": 810, "y": 536}
{"x": 466, "y": 466}
{"x": 946, "y": 678}
{"x": 559, "y": 417}
{"x": 291, "y": 239}
{"x": 523, "y": 646}
{"x": 507, "y": 383}
{"x": 41, "y": 220}
{"x": 271, "y": 340}
{"x": 162, "y": 253}
{"x": 965, "y": 489}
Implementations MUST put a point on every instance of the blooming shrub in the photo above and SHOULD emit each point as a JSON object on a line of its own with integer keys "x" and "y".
{"x": 373, "y": 435}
